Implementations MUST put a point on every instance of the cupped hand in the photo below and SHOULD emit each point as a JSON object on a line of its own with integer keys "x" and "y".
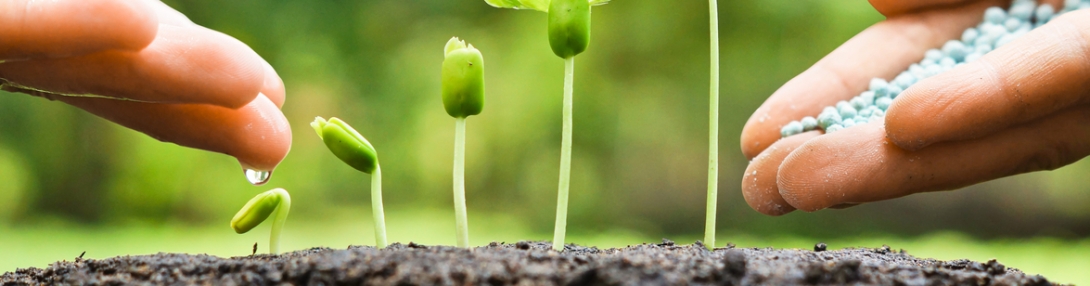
{"x": 1021, "y": 108}
{"x": 145, "y": 66}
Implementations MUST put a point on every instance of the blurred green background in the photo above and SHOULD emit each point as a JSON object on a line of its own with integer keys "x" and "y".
{"x": 71, "y": 182}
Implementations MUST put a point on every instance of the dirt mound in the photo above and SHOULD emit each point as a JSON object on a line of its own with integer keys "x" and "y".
{"x": 533, "y": 263}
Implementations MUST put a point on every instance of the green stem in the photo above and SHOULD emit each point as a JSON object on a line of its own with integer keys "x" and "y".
{"x": 713, "y": 123}
{"x": 282, "y": 210}
{"x": 565, "y": 159}
{"x": 461, "y": 222}
{"x": 376, "y": 208}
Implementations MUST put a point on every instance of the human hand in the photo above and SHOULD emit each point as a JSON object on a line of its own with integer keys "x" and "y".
{"x": 1020, "y": 108}
{"x": 145, "y": 66}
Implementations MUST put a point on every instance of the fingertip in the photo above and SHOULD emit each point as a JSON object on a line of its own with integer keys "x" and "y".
{"x": 263, "y": 147}
{"x": 759, "y": 187}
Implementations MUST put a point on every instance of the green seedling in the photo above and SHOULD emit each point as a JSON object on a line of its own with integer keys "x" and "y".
{"x": 258, "y": 209}
{"x": 463, "y": 95}
{"x": 569, "y": 35}
{"x": 353, "y": 149}
{"x": 713, "y": 126}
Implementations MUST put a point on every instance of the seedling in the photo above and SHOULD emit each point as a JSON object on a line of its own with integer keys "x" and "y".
{"x": 354, "y": 150}
{"x": 569, "y": 35}
{"x": 998, "y": 28}
{"x": 463, "y": 95}
{"x": 713, "y": 129}
{"x": 258, "y": 209}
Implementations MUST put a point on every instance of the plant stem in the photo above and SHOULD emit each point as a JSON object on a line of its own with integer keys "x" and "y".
{"x": 461, "y": 222}
{"x": 282, "y": 210}
{"x": 565, "y": 159}
{"x": 376, "y": 208}
{"x": 713, "y": 125}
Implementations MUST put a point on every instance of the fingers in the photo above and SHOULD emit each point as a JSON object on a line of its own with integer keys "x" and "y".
{"x": 858, "y": 165}
{"x": 759, "y": 182}
{"x": 1040, "y": 73}
{"x": 883, "y": 50}
{"x": 257, "y": 134}
{"x": 183, "y": 65}
{"x": 41, "y": 29}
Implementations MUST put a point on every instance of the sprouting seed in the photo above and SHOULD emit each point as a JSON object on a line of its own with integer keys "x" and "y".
{"x": 463, "y": 95}
{"x": 569, "y": 35}
{"x": 258, "y": 209}
{"x": 349, "y": 146}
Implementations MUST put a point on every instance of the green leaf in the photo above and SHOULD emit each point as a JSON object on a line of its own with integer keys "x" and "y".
{"x": 540, "y": 5}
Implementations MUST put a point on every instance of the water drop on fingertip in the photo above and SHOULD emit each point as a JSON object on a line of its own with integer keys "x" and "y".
{"x": 257, "y": 177}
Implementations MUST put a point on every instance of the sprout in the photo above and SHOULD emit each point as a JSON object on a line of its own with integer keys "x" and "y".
{"x": 258, "y": 209}
{"x": 713, "y": 128}
{"x": 463, "y": 95}
{"x": 569, "y": 35}
{"x": 353, "y": 149}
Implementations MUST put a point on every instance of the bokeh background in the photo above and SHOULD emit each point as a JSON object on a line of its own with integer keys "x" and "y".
{"x": 71, "y": 182}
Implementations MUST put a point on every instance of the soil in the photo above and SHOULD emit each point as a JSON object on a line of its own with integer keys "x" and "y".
{"x": 533, "y": 263}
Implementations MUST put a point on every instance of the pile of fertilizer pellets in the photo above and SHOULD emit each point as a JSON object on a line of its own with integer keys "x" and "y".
{"x": 999, "y": 27}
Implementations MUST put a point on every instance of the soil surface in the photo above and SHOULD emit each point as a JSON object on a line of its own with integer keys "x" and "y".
{"x": 533, "y": 263}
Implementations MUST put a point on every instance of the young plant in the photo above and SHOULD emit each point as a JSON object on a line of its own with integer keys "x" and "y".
{"x": 713, "y": 126}
{"x": 569, "y": 35}
{"x": 258, "y": 209}
{"x": 353, "y": 149}
{"x": 463, "y": 95}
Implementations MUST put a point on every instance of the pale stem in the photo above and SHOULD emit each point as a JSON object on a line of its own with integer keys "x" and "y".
{"x": 713, "y": 123}
{"x": 376, "y": 208}
{"x": 461, "y": 222}
{"x": 282, "y": 210}
{"x": 565, "y": 158}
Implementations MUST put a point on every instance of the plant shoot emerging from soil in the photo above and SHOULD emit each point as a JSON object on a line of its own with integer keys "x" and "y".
{"x": 353, "y": 149}
{"x": 713, "y": 129}
{"x": 569, "y": 35}
{"x": 463, "y": 95}
{"x": 258, "y": 209}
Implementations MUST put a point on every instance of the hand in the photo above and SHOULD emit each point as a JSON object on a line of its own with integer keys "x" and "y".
{"x": 1020, "y": 108}
{"x": 147, "y": 67}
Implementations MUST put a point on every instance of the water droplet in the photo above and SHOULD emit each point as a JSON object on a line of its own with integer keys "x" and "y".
{"x": 257, "y": 177}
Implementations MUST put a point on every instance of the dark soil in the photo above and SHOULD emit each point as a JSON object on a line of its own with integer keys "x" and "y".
{"x": 533, "y": 263}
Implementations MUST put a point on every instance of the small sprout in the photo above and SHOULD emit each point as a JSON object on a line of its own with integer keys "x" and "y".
{"x": 354, "y": 150}
{"x": 463, "y": 95}
{"x": 258, "y": 209}
{"x": 569, "y": 35}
